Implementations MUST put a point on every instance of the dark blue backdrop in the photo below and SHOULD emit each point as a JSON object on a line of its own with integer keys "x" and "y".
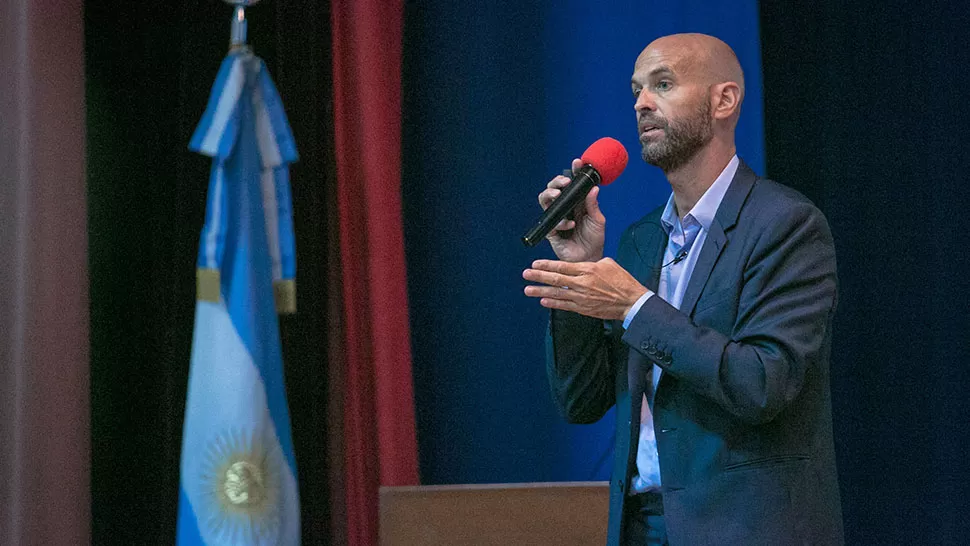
{"x": 867, "y": 114}
{"x": 498, "y": 98}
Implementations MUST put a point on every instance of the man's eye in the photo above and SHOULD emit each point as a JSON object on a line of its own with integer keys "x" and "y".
{"x": 636, "y": 92}
{"x": 663, "y": 85}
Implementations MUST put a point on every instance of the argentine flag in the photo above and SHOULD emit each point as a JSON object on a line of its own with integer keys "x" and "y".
{"x": 238, "y": 471}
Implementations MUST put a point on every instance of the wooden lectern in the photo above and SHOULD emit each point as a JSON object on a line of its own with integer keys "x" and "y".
{"x": 533, "y": 514}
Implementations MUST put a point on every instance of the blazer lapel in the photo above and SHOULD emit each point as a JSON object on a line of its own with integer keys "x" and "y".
{"x": 711, "y": 251}
{"x": 717, "y": 237}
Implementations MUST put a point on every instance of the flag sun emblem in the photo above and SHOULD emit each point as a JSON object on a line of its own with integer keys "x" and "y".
{"x": 241, "y": 487}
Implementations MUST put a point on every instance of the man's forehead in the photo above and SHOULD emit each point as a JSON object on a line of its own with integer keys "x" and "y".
{"x": 692, "y": 55}
{"x": 657, "y": 59}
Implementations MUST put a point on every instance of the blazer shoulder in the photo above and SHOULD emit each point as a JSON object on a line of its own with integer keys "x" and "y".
{"x": 650, "y": 219}
{"x": 765, "y": 188}
{"x": 777, "y": 209}
{"x": 770, "y": 199}
{"x": 635, "y": 234}
{"x": 641, "y": 239}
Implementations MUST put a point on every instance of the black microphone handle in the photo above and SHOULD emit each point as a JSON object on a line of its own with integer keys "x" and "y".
{"x": 572, "y": 195}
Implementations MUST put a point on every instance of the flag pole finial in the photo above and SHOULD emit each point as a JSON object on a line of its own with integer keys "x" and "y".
{"x": 238, "y": 27}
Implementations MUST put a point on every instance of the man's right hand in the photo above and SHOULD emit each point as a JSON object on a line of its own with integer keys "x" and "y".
{"x": 580, "y": 239}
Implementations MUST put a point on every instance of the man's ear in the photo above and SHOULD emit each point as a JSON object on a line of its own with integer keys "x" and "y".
{"x": 725, "y": 100}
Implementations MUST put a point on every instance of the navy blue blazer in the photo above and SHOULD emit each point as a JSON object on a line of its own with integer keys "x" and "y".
{"x": 742, "y": 412}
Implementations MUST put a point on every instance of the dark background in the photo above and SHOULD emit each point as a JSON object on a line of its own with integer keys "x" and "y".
{"x": 865, "y": 112}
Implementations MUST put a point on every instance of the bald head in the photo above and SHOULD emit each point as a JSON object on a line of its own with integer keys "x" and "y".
{"x": 698, "y": 55}
{"x": 688, "y": 90}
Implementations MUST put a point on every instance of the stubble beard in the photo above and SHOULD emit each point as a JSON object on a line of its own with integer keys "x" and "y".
{"x": 681, "y": 140}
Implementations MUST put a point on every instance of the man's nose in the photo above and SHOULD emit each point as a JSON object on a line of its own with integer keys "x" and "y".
{"x": 645, "y": 102}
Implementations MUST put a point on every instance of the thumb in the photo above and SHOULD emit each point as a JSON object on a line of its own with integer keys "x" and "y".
{"x": 593, "y": 207}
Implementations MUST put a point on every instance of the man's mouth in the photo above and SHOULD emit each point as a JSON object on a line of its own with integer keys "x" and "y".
{"x": 648, "y": 126}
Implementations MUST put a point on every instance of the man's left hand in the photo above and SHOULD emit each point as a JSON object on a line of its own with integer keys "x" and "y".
{"x": 600, "y": 289}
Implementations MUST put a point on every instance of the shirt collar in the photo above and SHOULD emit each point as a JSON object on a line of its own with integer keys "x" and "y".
{"x": 706, "y": 207}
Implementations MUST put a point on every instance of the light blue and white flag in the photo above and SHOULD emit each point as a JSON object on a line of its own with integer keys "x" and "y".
{"x": 238, "y": 472}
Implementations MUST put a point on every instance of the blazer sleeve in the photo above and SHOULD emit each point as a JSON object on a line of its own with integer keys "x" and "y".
{"x": 787, "y": 294}
{"x": 579, "y": 365}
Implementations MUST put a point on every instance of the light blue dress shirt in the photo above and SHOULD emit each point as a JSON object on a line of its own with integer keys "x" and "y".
{"x": 685, "y": 235}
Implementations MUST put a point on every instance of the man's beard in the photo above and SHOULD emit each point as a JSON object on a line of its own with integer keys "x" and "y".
{"x": 681, "y": 140}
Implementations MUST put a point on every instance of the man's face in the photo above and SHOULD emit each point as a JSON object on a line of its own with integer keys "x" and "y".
{"x": 673, "y": 108}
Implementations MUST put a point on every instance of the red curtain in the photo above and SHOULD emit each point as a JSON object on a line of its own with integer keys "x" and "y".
{"x": 379, "y": 443}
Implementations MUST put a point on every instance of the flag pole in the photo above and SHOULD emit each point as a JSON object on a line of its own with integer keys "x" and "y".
{"x": 238, "y": 26}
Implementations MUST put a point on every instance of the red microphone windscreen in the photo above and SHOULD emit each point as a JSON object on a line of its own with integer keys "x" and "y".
{"x": 608, "y": 157}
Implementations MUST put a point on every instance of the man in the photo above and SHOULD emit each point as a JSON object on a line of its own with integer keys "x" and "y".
{"x": 711, "y": 332}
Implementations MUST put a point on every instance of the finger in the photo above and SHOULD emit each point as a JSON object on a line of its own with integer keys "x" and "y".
{"x": 570, "y": 269}
{"x": 563, "y": 305}
{"x": 554, "y": 292}
{"x": 547, "y": 197}
{"x": 577, "y": 164}
{"x": 559, "y": 182}
{"x": 564, "y": 225}
{"x": 545, "y": 277}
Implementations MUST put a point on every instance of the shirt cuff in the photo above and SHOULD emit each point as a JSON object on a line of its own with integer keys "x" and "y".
{"x": 636, "y": 307}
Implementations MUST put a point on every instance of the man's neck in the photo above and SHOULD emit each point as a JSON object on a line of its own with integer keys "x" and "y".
{"x": 693, "y": 179}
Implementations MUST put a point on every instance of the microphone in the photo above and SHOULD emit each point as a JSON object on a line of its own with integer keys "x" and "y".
{"x": 603, "y": 162}
{"x": 681, "y": 256}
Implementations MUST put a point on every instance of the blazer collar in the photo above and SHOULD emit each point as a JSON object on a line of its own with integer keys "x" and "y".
{"x": 734, "y": 198}
{"x": 717, "y": 237}
{"x": 650, "y": 239}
